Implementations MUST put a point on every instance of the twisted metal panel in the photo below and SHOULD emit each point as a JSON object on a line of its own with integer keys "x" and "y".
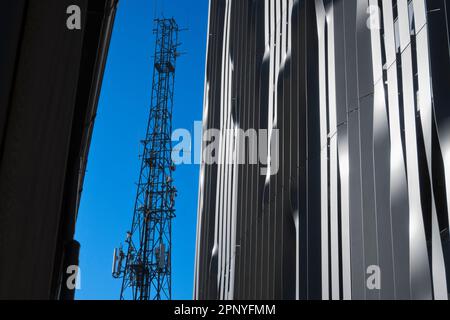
{"x": 358, "y": 91}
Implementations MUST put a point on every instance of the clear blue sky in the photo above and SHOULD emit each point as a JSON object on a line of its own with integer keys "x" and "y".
{"x": 109, "y": 191}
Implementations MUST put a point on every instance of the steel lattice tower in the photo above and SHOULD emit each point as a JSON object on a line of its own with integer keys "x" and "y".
{"x": 147, "y": 271}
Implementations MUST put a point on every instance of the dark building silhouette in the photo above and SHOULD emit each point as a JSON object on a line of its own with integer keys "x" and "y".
{"x": 50, "y": 79}
{"x": 359, "y": 91}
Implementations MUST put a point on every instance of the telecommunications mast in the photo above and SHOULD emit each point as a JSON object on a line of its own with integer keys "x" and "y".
{"x": 144, "y": 265}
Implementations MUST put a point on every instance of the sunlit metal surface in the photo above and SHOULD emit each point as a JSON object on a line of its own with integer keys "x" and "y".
{"x": 359, "y": 94}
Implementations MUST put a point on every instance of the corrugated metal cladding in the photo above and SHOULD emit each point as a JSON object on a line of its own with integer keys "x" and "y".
{"x": 359, "y": 91}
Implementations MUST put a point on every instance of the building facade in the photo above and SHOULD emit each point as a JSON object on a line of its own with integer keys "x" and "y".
{"x": 50, "y": 81}
{"x": 358, "y": 94}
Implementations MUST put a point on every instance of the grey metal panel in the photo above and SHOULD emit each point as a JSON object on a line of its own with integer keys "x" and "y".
{"x": 371, "y": 254}
{"x": 366, "y": 113}
{"x": 314, "y": 153}
{"x": 207, "y": 251}
{"x": 437, "y": 20}
{"x": 420, "y": 273}
{"x": 343, "y": 145}
{"x": 321, "y": 29}
{"x": 359, "y": 171}
{"x": 333, "y": 157}
{"x": 426, "y": 116}
{"x": 398, "y": 184}
{"x": 382, "y": 149}
{"x": 202, "y": 180}
{"x": 356, "y": 218}
{"x": 354, "y": 153}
